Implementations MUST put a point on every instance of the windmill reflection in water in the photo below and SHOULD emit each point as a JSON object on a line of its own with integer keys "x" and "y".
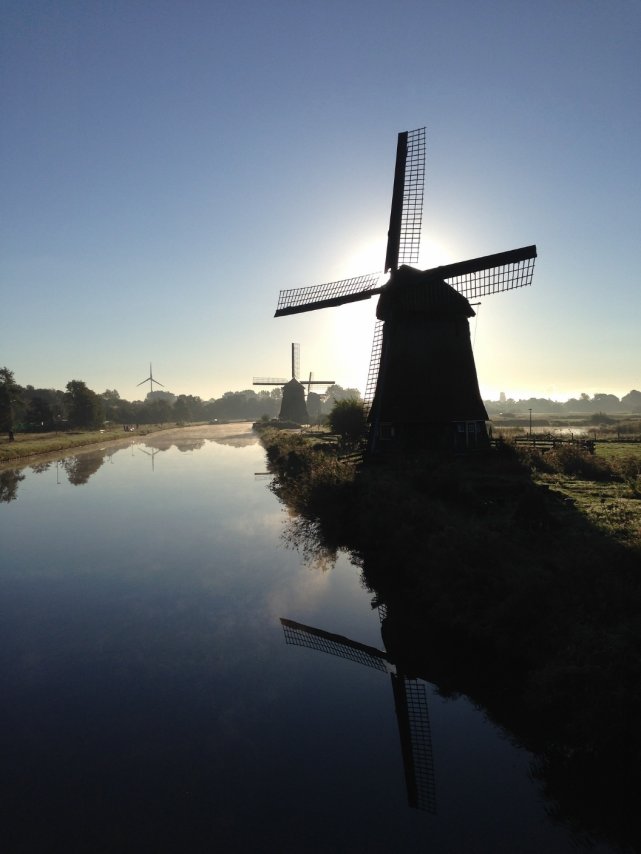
{"x": 410, "y": 702}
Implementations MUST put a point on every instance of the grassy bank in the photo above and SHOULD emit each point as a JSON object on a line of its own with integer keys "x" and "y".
{"x": 33, "y": 444}
{"x": 513, "y": 577}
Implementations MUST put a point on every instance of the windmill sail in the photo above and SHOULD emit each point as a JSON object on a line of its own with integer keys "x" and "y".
{"x": 490, "y": 274}
{"x": 298, "y": 300}
{"x": 406, "y": 215}
{"x": 410, "y": 702}
{"x": 374, "y": 364}
{"x": 282, "y": 381}
{"x": 297, "y": 634}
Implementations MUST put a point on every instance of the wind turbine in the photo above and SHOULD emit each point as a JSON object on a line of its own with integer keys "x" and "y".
{"x": 150, "y": 379}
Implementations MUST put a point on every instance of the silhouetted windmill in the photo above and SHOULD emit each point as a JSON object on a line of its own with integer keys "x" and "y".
{"x": 292, "y": 406}
{"x": 422, "y": 337}
{"x": 150, "y": 379}
{"x": 410, "y": 701}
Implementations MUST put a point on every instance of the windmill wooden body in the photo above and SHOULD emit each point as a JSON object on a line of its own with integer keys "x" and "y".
{"x": 410, "y": 703}
{"x": 293, "y": 406}
{"x": 422, "y": 386}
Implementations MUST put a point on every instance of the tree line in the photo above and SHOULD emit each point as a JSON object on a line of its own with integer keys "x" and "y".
{"x": 29, "y": 409}
{"x": 630, "y": 403}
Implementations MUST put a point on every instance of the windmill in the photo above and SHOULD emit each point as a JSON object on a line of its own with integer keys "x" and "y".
{"x": 293, "y": 403}
{"x": 410, "y": 702}
{"x": 150, "y": 379}
{"x": 421, "y": 338}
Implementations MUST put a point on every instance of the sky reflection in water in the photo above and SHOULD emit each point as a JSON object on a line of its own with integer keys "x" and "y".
{"x": 149, "y": 698}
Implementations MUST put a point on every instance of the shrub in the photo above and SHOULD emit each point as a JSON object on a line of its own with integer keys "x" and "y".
{"x": 570, "y": 459}
{"x": 347, "y": 418}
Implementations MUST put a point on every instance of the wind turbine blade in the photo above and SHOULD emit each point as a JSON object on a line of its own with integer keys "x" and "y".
{"x": 490, "y": 274}
{"x": 330, "y": 294}
{"x": 298, "y": 634}
{"x": 143, "y": 381}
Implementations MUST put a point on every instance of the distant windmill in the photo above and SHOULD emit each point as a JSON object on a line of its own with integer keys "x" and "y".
{"x": 293, "y": 403}
{"x": 150, "y": 379}
{"x": 410, "y": 701}
{"x": 422, "y": 338}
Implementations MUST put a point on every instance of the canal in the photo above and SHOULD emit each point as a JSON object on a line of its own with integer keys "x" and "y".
{"x": 153, "y": 699}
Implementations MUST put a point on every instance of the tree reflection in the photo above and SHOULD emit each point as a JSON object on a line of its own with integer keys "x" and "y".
{"x": 9, "y": 480}
{"x": 80, "y": 468}
{"x": 305, "y": 537}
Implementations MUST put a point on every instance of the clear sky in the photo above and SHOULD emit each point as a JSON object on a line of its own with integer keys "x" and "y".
{"x": 169, "y": 165}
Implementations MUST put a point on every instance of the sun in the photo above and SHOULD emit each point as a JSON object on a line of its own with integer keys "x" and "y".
{"x": 363, "y": 256}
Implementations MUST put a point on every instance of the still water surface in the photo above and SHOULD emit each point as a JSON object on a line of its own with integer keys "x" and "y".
{"x": 150, "y": 702}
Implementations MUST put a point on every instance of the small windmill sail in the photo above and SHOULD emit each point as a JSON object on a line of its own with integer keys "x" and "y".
{"x": 410, "y": 702}
{"x": 422, "y": 331}
{"x": 293, "y": 403}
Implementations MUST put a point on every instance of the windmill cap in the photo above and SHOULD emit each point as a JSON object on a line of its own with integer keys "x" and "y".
{"x": 414, "y": 291}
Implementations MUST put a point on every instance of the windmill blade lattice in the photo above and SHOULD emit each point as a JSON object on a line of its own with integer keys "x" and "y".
{"x": 270, "y": 380}
{"x": 491, "y": 274}
{"x": 412, "y": 215}
{"x": 295, "y": 361}
{"x": 298, "y": 300}
{"x": 298, "y": 634}
{"x": 410, "y": 699}
{"x": 374, "y": 365}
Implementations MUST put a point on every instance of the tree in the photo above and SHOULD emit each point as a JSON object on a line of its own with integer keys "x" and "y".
{"x": 156, "y": 412}
{"x": 335, "y": 393}
{"x": 10, "y": 399}
{"x": 632, "y": 400}
{"x": 39, "y": 413}
{"x": 347, "y": 418}
{"x": 86, "y": 408}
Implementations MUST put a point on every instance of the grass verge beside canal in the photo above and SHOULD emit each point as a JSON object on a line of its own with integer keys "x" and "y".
{"x": 33, "y": 444}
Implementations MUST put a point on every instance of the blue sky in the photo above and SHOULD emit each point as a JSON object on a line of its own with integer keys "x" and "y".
{"x": 167, "y": 167}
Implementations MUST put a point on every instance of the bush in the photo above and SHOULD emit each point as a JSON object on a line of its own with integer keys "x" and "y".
{"x": 570, "y": 459}
{"x": 347, "y": 418}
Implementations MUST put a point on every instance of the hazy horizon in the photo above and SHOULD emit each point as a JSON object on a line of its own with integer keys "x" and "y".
{"x": 494, "y": 396}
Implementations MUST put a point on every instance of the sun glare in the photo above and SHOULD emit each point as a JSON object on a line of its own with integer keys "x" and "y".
{"x": 366, "y": 256}
{"x": 436, "y": 253}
